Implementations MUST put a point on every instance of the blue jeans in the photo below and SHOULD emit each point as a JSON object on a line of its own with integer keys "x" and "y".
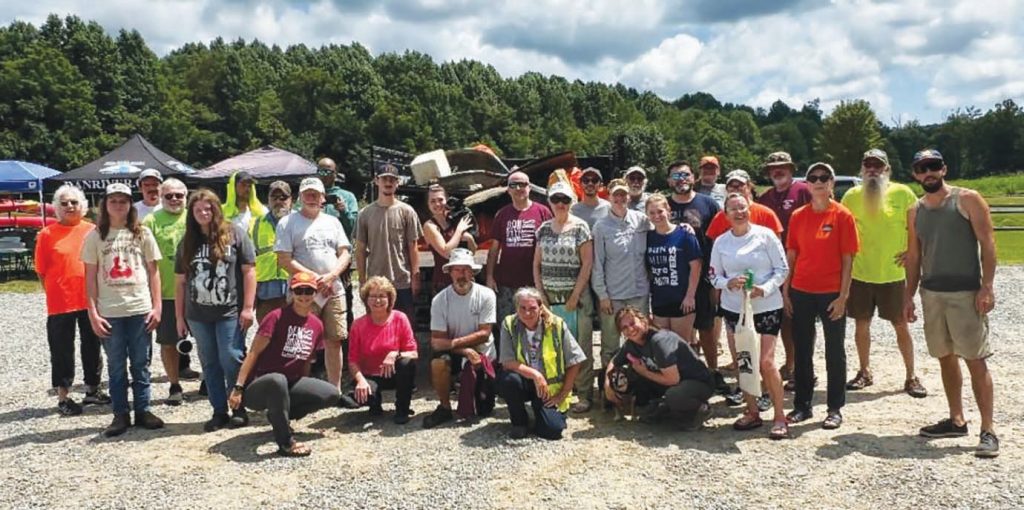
{"x": 128, "y": 344}
{"x": 220, "y": 352}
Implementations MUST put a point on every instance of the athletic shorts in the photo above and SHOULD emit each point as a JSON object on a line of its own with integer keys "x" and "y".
{"x": 704, "y": 307}
{"x": 167, "y": 331}
{"x": 765, "y": 323}
{"x": 865, "y": 297}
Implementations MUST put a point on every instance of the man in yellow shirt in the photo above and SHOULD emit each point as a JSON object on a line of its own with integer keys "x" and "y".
{"x": 880, "y": 207}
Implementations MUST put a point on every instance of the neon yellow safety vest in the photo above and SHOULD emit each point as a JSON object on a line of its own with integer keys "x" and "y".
{"x": 263, "y": 237}
{"x": 550, "y": 352}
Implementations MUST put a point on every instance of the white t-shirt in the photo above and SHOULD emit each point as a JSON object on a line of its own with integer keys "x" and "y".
{"x": 142, "y": 209}
{"x": 314, "y": 243}
{"x": 459, "y": 315}
{"x": 242, "y": 219}
{"x": 759, "y": 250}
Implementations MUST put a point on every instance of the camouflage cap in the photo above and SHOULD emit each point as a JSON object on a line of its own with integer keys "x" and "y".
{"x": 878, "y": 154}
{"x": 779, "y": 159}
{"x": 926, "y": 155}
{"x": 738, "y": 175}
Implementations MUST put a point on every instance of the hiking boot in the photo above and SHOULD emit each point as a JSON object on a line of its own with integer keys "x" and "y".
{"x": 944, "y": 428}
{"x": 188, "y": 374}
{"x": 582, "y": 406}
{"x": 914, "y": 388}
{"x": 148, "y": 421}
{"x": 518, "y": 432}
{"x": 176, "y": 396}
{"x": 217, "y": 422}
{"x": 988, "y": 446}
{"x": 439, "y": 416}
{"x": 239, "y": 418}
{"x": 69, "y": 407}
{"x": 96, "y": 398}
{"x": 861, "y": 381}
{"x": 119, "y": 425}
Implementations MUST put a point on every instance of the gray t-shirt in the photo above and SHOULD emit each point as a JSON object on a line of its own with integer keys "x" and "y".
{"x": 459, "y": 315}
{"x": 387, "y": 233}
{"x": 591, "y": 214}
{"x": 314, "y": 243}
{"x": 215, "y": 290}
{"x": 571, "y": 351}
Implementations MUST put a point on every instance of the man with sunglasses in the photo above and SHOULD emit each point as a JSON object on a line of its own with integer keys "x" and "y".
{"x": 271, "y": 279}
{"x": 149, "y": 186}
{"x": 636, "y": 179}
{"x": 167, "y": 222}
{"x": 510, "y": 259}
{"x": 880, "y": 208}
{"x": 697, "y": 210}
{"x": 947, "y": 229}
{"x": 388, "y": 229}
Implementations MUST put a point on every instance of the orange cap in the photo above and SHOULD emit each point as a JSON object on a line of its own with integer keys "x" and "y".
{"x": 303, "y": 280}
{"x": 709, "y": 160}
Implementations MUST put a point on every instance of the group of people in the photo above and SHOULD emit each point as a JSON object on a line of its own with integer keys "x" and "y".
{"x": 659, "y": 273}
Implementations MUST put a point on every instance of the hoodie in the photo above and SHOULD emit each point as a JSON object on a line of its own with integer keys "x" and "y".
{"x": 230, "y": 208}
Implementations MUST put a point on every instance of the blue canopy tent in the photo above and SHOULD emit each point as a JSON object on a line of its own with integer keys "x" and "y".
{"x": 25, "y": 177}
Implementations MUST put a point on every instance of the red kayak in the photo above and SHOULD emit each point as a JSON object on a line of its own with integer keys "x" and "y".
{"x": 33, "y": 222}
{"x": 24, "y": 206}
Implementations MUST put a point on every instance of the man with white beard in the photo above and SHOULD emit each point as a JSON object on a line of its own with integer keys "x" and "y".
{"x": 880, "y": 207}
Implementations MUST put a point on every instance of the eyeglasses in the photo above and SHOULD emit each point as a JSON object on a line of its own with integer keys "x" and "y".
{"x": 819, "y": 178}
{"x": 635, "y": 177}
{"x": 69, "y": 203}
{"x": 517, "y": 185}
{"x": 174, "y": 196}
{"x": 931, "y": 166}
{"x": 304, "y": 291}
{"x": 591, "y": 180}
{"x": 378, "y": 297}
{"x": 681, "y": 175}
{"x": 560, "y": 199}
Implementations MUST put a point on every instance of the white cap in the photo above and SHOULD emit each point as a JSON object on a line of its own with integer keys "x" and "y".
{"x": 151, "y": 172}
{"x": 118, "y": 187}
{"x": 312, "y": 183}
{"x": 633, "y": 169}
{"x": 561, "y": 188}
{"x": 462, "y": 257}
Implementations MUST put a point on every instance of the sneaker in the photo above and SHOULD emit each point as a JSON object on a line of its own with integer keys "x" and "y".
{"x": 402, "y": 417}
{"x": 188, "y": 374}
{"x": 96, "y": 398}
{"x": 176, "y": 396}
{"x": 720, "y": 386}
{"x": 944, "y": 428}
{"x": 734, "y": 398}
{"x": 861, "y": 381}
{"x": 347, "y": 402}
{"x": 582, "y": 406}
{"x": 239, "y": 418}
{"x": 202, "y": 389}
{"x": 148, "y": 421}
{"x": 914, "y": 388}
{"x": 376, "y": 410}
{"x": 764, "y": 402}
{"x": 988, "y": 446}
{"x": 69, "y": 407}
{"x": 439, "y": 416}
{"x": 654, "y": 412}
{"x": 518, "y": 433}
{"x": 699, "y": 417}
{"x": 119, "y": 425}
{"x": 219, "y": 421}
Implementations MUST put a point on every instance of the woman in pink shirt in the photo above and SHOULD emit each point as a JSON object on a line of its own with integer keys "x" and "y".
{"x": 382, "y": 351}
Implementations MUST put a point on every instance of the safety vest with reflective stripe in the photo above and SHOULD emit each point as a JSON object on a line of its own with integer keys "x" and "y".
{"x": 550, "y": 352}
{"x": 263, "y": 237}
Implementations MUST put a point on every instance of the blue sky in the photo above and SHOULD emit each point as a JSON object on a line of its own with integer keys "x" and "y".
{"x": 912, "y": 59}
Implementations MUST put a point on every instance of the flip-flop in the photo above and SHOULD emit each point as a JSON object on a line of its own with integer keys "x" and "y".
{"x": 296, "y": 450}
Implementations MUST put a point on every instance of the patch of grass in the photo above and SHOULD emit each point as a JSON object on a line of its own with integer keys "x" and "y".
{"x": 21, "y": 287}
{"x": 997, "y": 189}
{"x": 1010, "y": 248}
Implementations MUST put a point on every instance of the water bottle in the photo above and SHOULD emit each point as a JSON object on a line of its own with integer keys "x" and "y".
{"x": 749, "y": 285}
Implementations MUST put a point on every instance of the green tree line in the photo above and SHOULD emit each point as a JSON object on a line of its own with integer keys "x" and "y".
{"x": 70, "y": 92}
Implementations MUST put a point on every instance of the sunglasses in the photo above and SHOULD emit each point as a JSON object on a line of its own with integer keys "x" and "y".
{"x": 560, "y": 199}
{"x": 931, "y": 166}
{"x": 517, "y": 185}
{"x": 277, "y": 197}
{"x": 174, "y": 196}
{"x": 873, "y": 163}
{"x": 304, "y": 291}
{"x": 591, "y": 180}
{"x": 636, "y": 177}
{"x": 819, "y": 178}
{"x": 69, "y": 203}
{"x": 681, "y": 175}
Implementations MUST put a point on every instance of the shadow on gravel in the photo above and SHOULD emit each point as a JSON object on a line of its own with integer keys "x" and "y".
{"x": 27, "y": 413}
{"x": 53, "y": 436}
{"x": 887, "y": 447}
{"x": 490, "y": 435}
{"x": 244, "y": 448}
{"x": 136, "y": 434}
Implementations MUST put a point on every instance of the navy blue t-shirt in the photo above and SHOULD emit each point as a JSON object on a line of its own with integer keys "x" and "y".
{"x": 668, "y": 262}
{"x": 698, "y": 213}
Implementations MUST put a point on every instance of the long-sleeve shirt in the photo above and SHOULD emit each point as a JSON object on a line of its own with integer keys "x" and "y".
{"x": 758, "y": 250}
{"x": 620, "y": 246}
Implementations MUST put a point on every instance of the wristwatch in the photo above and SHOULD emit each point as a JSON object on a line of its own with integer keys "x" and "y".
{"x": 239, "y": 388}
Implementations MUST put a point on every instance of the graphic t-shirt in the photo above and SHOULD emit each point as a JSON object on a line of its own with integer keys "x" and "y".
{"x": 294, "y": 340}
{"x": 314, "y": 243}
{"x": 560, "y": 257}
{"x": 820, "y": 240}
{"x": 457, "y": 315}
{"x": 885, "y": 224}
{"x": 786, "y": 202}
{"x": 516, "y": 232}
{"x": 370, "y": 343}
{"x": 662, "y": 350}
{"x": 759, "y": 215}
{"x": 387, "y": 233}
{"x": 697, "y": 213}
{"x": 668, "y": 262}
{"x": 168, "y": 229}
{"x": 59, "y": 265}
{"x": 214, "y": 289}
{"x": 122, "y": 279}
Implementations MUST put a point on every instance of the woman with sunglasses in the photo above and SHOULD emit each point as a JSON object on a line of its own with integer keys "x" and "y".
{"x": 820, "y": 246}
{"x": 275, "y": 375}
{"x": 62, "y": 273}
{"x": 443, "y": 234}
{"x": 674, "y": 262}
{"x": 382, "y": 351}
{"x": 216, "y": 278}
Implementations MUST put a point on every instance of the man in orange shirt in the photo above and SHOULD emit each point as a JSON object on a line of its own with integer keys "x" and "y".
{"x": 62, "y": 274}
{"x": 820, "y": 246}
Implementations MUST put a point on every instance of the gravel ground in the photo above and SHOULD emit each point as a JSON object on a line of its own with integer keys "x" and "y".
{"x": 875, "y": 460}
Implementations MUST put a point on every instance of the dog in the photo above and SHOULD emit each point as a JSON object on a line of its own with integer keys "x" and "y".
{"x": 625, "y": 410}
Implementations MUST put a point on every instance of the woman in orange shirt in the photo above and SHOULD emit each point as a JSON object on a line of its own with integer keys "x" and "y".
{"x": 62, "y": 274}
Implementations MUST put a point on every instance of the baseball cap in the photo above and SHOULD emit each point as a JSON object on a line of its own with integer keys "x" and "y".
{"x": 311, "y": 183}
{"x": 281, "y": 186}
{"x": 561, "y": 188}
{"x": 243, "y": 176}
{"x": 302, "y": 279}
{"x": 821, "y": 164}
{"x": 634, "y": 169}
{"x": 738, "y": 175}
{"x": 709, "y": 160}
{"x": 118, "y": 187}
{"x": 151, "y": 172}
{"x": 780, "y": 158}
{"x": 591, "y": 170}
{"x": 926, "y": 155}
{"x": 617, "y": 185}
{"x": 388, "y": 169}
{"x": 878, "y": 154}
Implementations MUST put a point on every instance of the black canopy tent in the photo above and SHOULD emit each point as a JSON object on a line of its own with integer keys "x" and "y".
{"x": 122, "y": 165}
{"x": 265, "y": 164}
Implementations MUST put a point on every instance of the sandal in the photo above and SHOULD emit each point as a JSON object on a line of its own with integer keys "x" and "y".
{"x": 297, "y": 450}
{"x": 780, "y": 430}
{"x": 748, "y": 422}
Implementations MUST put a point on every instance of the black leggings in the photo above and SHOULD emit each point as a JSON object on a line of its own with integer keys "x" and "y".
{"x": 807, "y": 308}
{"x": 284, "y": 402}
{"x": 60, "y": 334}
{"x": 402, "y": 382}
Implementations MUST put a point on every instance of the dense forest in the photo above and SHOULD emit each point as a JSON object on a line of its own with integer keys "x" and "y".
{"x": 70, "y": 92}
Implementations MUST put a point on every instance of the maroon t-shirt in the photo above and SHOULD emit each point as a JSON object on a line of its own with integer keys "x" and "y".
{"x": 294, "y": 340}
{"x": 786, "y": 202}
{"x": 517, "y": 232}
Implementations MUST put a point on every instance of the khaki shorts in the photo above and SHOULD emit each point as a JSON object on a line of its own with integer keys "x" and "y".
{"x": 953, "y": 326}
{"x": 865, "y": 297}
{"x": 332, "y": 314}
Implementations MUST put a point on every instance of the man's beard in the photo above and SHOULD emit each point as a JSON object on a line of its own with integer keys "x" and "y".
{"x": 682, "y": 187}
{"x": 932, "y": 186}
{"x": 281, "y": 212}
{"x": 590, "y": 194}
{"x": 874, "y": 189}
{"x": 781, "y": 180}
{"x": 463, "y": 285}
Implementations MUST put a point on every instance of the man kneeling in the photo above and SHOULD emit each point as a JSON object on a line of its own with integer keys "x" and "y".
{"x": 275, "y": 374}
{"x": 665, "y": 376}
{"x": 461, "y": 319}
